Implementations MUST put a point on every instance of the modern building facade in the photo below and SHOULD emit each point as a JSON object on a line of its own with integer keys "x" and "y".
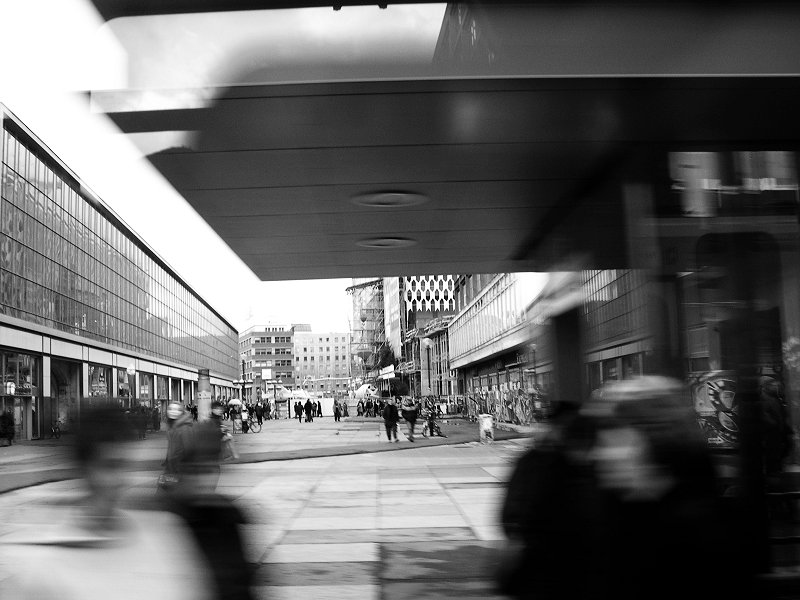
{"x": 427, "y": 303}
{"x": 89, "y": 312}
{"x": 322, "y": 362}
{"x": 267, "y": 357}
{"x": 490, "y": 344}
{"x": 616, "y": 325}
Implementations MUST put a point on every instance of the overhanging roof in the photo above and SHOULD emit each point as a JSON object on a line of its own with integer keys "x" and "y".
{"x": 494, "y": 159}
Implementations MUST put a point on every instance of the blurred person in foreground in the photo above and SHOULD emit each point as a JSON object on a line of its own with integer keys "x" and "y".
{"x": 179, "y": 439}
{"x": 212, "y": 518}
{"x": 621, "y": 502}
{"x": 102, "y": 550}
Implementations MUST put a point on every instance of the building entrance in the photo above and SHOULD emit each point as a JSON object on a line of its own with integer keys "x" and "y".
{"x": 65, "y": 382}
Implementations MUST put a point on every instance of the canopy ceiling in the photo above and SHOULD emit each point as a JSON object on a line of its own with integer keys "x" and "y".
{"x": 481, "y": 161}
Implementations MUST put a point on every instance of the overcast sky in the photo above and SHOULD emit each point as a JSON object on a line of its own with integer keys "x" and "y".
{"x": 51, "y": 49}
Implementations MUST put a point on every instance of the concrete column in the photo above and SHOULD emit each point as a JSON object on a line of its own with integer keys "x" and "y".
{"x": 84, "y": 380}
{"x": 568, "y": 358}
{"x": 46, "y": 380}
{"x": 203, "y": 394}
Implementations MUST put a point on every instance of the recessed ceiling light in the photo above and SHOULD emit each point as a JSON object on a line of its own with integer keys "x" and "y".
{"x": 389, "y": 199}
{"x": 386, "y": 242}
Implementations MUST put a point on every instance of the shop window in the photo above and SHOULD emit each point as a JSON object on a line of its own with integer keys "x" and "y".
{"x": 610, "y": 370}
{"x": 99, "y": 381}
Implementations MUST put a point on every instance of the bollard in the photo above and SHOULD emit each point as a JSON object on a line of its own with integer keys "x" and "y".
{"x": 486, "y": 428}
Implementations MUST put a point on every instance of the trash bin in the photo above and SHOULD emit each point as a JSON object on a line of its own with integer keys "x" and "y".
{"x": 486, "y": 428}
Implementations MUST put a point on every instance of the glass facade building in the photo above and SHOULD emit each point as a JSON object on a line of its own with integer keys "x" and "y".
{"x": 71, "y": 268}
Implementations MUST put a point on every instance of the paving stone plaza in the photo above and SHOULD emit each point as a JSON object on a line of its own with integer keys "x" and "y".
{"x": 408, "y": 522}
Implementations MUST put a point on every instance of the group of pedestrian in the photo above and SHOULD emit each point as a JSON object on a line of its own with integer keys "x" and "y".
{"x": 309, "y": 410}
{"x": 370, "y": 407}
{"x": 408, "y": 409}
{"x": 339, "y": 410}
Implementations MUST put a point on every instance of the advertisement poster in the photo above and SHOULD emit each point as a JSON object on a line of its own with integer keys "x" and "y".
{"x": 714, "y": 396}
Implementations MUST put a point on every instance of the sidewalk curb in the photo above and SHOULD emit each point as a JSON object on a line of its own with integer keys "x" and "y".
{"x": 20, "y": 480}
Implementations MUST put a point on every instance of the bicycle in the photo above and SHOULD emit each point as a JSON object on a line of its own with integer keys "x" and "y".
{"x": 431, "y": 428}
{"x": 253, "y": 425}
{"x": 55, "y": 430}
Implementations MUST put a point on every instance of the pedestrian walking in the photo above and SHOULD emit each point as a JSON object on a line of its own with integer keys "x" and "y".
{"x": 390, "y": 419}
{"x": 259, "y": 412}
{"x": 298, "y": 410}
{"x": 102, "y": 548}
{"x": 319, "y": 409}
{"x": 228, "y": 451}
{"x": 309, "y": 408}
{"x": 410, "y": 411}
{"x": 337, "y": 412}
{"x": 179, "y": 440}
{"x": 360, "y": 409}
{"x": 212, "y": 518}
{"x": 140, "y": 418}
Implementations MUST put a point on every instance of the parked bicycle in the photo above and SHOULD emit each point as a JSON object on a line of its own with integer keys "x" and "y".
{"x": 249, "y": 425}
{"x": 430, "y": 427}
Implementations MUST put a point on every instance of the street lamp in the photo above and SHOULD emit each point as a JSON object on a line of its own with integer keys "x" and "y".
{"x": 242, "y": 380}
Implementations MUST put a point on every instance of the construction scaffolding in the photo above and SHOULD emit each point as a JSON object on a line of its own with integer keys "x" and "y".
{"x": 368, "y": 327}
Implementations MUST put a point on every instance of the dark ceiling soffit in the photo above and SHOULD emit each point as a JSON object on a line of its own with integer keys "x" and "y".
{"x": 113, "y": 9}
{"x": 560, "y": 212}
{"x": 185, "y": 119}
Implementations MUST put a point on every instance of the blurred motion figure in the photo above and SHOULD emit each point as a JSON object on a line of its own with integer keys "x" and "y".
{"x": 621, "y": 501}
{"x": 102, "y": 550}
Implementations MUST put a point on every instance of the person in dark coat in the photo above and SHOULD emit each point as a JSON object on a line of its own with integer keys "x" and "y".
{"x": 390, "y": 418}
{"x": 309, "y": 408}
{"x": 337, "y": 412}
{"x": 259, "y": 410}
{"x": 319, "y": 408}
{"x": 212, "y": 518}
{"x": 141, "y": 419}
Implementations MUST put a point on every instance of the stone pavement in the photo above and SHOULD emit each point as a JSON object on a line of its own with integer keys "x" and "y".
{"x": 414, "y": 523}
{"x": 43, "y": 461}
